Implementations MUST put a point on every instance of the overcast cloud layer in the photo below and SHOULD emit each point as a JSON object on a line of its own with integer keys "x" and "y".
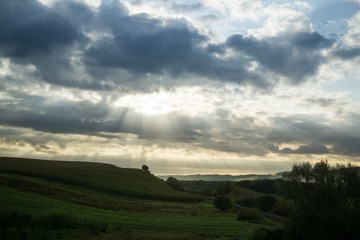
{"x": 183, "y": 86}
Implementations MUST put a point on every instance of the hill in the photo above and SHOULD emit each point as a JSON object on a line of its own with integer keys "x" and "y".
{"x": 218, "y": 177}
{"x": 79, "y": 200}
{"x": 96, "y": 176}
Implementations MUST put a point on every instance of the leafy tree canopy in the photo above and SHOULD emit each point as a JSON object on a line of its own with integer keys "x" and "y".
{"x": 327, "y": 200}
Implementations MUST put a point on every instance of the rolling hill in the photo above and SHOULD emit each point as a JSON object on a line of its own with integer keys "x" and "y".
{"x": 42, "y": 199}
{"x": 96, "y": 177}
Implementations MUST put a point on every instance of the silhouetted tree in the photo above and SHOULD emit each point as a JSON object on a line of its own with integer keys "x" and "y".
{"x": 224, "y": 188}
{"x": 223, "y": 203}
{"x": 266, "y": 202}
{"x": 174, "y": 183}
{"x": 145, "y": 168}
{"x": 327, "y": 201}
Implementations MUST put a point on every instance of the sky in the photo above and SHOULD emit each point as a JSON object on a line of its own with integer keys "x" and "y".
{"x": 185, "y": 87}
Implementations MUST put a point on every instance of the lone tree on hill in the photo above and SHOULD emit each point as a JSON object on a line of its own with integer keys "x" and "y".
{"x": 145, "y": 168}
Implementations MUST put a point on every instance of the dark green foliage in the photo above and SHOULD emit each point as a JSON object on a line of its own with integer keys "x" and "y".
{"x": 55, "y": 220}
{"x": 56, "y": 225}
{"x": 266, "y": 202}
{"x": 223, "y": 203}
{"x": 247, "y": 202}
{"x": 248, "y": 214}
{"x": 199, "y": 186}
{"x": 268, "y": 234}
{"x": 268, "y": 186}
{"x": 283, "y": 208}
{"x": 174, "y": 183}
{"x": 14, "y": 219}
{"x": 145, "y": 168}
{"x": 326, "y": 201}
{"x": 223, "y": 188}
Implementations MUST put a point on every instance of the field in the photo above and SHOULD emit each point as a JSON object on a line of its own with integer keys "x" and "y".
{"x": 77, "y": 200}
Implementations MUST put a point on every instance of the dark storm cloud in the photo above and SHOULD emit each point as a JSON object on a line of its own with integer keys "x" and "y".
{"x": 347, "y": 53}
{"x": 313, "y": 40}
{"x": 59, "y": 41}
{"x": 93, "y": 119}
{"x": 343, "y": 139}
{"x": 27, "y": 28}
{"x": 312, "y": 148}
{"x": 142, "y": 45}
{"x": 145, "y": 50}
{"x": 292, "y": 56}
{"x": 31, "y": 33}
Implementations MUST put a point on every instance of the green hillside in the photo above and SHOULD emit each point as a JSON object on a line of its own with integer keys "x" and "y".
{"x": 96, "y": 176}
{"x": 240, "y": 192}
{"x": 43, "y": 199}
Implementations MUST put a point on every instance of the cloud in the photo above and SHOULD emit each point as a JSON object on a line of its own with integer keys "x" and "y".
{"x": 312, "y": 148}
{"x": 99, "y": 119}
{"x": 292, "y": 56}
{"x": 321, "y": 132}
{"x": 144, "y": 45}
{"x": 161, "y": 47}
{"x": 347, "y": 53}
{"x": 72, "y": 45}
{"x": 321, "y": 101}
{"x": 28, "y": 28}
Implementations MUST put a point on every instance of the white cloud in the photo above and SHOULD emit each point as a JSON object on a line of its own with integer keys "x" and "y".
{"x": 282, "y": 19}
{"x": 352, "y": 37}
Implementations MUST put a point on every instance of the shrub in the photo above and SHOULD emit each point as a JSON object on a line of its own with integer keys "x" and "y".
{"x": 283, "y": 208}
{"x": 266, "y": 202}
{"x": 224, "y": 188}
{"x": 268, "y": 234}
{"x": 174, "y": 184}
{"x": 248, "y": 214}
{"x": 247, "y": 202}
{"x": 55, "y": 220}
{"x": 223, "y": 203}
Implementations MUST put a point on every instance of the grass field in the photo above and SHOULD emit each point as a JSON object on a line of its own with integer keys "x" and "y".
{"x": 97, "y": 176}
{"x": 106, "y": 202}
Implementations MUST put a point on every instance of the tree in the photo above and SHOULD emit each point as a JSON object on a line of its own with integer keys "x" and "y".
{"x": 145, "y": 168}
{"x": 174, "y": 183}
{"x": 266, "y": 202}
{"x": 327, "y": 201}
{"x": 224, "y": 188}
{"x": 223, "y": 203}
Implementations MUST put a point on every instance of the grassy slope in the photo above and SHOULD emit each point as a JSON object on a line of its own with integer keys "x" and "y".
{"x": 207, "y": 223}
{"x": 240, "y": 192}
{"x": 45, "y": 189}
{"x": 96, "y": 176}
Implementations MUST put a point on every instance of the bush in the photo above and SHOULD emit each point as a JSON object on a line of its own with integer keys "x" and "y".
{"x": 224, "y": 188}
{"x": 222, "y": 203}
{"x": 247, "y": 202}
{"x": 268, "y": 234}
{"x": 55, "y": 220}
{"x": 266, "y": 202}
{"x": 283, "y": 208}
{"x": 248, "y": 214}
{"x": 174, "y": 184}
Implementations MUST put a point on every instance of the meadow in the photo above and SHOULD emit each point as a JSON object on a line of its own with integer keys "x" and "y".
{"x": 77, "y": 200}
